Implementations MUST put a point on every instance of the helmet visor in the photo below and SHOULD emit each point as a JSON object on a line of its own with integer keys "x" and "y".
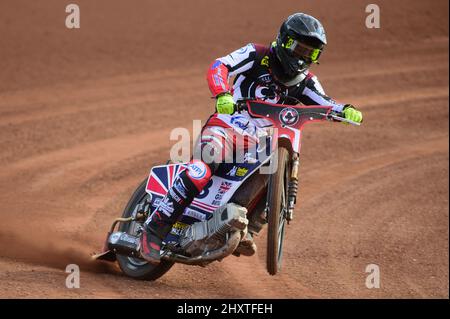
{"x": 303, "y": 51}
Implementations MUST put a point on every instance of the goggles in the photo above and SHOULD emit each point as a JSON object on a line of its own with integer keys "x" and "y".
{"x": 302, "y": 51}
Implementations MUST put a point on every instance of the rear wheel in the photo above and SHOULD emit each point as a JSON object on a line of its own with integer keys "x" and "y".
{"x": 277, "y": 210}
{"x": 136, "y": 267}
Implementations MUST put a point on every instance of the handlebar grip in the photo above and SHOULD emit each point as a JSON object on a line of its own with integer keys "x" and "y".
{"x": 338, "y": 116}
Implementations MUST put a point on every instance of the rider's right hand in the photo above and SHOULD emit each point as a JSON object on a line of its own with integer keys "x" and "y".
{"x": 225, "y": 103}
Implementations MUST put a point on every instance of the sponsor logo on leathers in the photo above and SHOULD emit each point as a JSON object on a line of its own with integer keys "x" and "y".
{"x": 197, "y": 170}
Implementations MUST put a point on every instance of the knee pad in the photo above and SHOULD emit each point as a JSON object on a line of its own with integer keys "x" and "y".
{"x": 198, "y": 174}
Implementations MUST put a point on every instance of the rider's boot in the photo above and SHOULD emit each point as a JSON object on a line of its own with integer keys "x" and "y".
{"x": 247, "y": 246}
{"x": 257, "y": 220}
{"x": 186, "y": 186}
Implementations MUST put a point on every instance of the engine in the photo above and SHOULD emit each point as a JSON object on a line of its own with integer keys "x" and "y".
{"x": 212, "y": 234}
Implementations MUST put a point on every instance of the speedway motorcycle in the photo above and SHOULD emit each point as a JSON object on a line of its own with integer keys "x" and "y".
{"x": 239, "y": 199}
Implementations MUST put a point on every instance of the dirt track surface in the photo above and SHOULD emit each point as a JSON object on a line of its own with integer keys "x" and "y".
{"x": 85, "y": 113}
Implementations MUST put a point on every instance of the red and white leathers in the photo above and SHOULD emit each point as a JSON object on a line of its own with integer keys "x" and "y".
{"x": 253, "y": 78}
{"x": 250, "y": 67}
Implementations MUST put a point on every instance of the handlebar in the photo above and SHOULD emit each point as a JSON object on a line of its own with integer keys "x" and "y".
{"x": 336, "y": 116}
{"x": 241, "y": 105}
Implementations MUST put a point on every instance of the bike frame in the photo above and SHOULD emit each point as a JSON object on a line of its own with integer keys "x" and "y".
{"x": 287, "y": 124}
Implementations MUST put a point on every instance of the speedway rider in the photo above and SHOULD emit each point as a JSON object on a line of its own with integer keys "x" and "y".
{"x": 274, "y": 73}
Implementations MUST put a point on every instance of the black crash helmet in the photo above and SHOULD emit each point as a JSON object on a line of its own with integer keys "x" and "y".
{"x": 299, "y": 43}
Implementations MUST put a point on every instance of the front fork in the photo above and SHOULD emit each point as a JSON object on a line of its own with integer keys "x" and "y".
{"x": 293, "y": 187}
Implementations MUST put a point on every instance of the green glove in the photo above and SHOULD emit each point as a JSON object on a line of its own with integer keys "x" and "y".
{"x": 352, "y": 114}
{"x": 225, "y": 104}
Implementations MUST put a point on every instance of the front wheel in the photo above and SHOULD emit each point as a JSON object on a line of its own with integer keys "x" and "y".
{"x": 135, "y": 267}
{"x": 277, "y": 210}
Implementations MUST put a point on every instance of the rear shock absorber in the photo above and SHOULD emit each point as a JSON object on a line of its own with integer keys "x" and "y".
{"x": 293, "y": 187}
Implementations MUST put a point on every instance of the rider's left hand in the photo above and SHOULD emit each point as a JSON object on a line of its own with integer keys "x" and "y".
{"x": 352, "y": 114}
